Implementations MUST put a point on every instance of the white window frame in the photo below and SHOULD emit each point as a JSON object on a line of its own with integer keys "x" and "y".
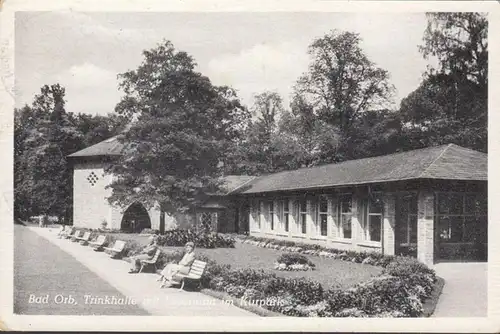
{"x": 271, "y": 212}
{"x": 341, "y": 214}
{"x": 407, "y": 241}
{"x": 369, "y": 214}
{"x": 319, "y": 213}
{"x": 302, "y": 219}
{"x": 259, "y": 215}
{"x": 285, "y": 215}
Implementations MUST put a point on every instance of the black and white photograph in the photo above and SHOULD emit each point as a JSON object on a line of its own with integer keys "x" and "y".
{"x": 292, "y": 165}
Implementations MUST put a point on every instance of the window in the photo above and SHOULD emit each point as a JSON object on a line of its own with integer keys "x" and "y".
{"x": 460, "y": 216}
{"x": 286, "y": 214}
{"x": 323, "y": 215}
{"x": 271, "y": 214}
{"x": 373, "y": 227}
{"x": 303, "y": 215}
{"x": 409, "y": 210}
{"x": 259, "y": 205}
{"x": 345, "y": 216}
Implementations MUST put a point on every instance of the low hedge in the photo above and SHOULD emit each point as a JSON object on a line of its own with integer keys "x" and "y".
{"x": 200, "y": 239}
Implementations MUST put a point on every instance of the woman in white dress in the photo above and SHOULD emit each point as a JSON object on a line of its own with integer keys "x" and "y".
{"x": 182, "y": 267}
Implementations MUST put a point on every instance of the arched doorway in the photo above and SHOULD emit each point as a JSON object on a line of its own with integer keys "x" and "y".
{"x": 135, "y": 219}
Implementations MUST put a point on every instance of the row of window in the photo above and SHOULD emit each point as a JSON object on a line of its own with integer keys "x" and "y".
{"x": 279, "y": 215}
{"x": 458, "y": 216}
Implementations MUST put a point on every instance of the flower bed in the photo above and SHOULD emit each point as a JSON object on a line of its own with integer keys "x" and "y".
{"x": 371, "y": 258}
{"x": 294, "y": 262}
{"x": 399, "y": 292}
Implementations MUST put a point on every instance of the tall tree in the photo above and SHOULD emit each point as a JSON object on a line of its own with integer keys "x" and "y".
{"x": 451, "y": 103}
{"x": 342, "y": 83}
{"x": 44, "y": 136}
{"x": 183, "y": 125}
{"x": 256, "y": 152}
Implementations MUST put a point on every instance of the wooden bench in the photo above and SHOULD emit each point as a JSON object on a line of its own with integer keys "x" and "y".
{"x": 195, "y": 273}
{"x": 99, "y": 243}
{"x": 85, "y": 239}
{"x": 117, "y": 248}
{"x": 152, "y": 262}
{"x": 77, "y": 235}
{"x": 68, "y": 233}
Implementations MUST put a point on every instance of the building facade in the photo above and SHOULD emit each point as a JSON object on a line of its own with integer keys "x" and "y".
{"x": 429, "y": 203}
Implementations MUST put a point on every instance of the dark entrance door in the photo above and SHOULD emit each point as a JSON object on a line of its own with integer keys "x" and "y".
{"x": 135, "y": 219}
{"x": 461, "y": 227}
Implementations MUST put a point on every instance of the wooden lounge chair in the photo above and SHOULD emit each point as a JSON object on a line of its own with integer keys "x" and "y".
{"x": 99, "y": 243}
{"x": 61, "y": 230}
{"x": 152, "y": 262}
{"x": 85, "y": 239}
{"x": 77, "y": 235}
{"x": 67, "y": 233}
{"x": 195, "y": 274}
{"x": 116, "y": 250}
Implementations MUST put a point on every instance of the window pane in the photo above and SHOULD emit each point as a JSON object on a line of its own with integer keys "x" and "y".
{"x": 450, "y": 203}
{"x": 323, "y": 204}
{"x": 324, "y": 224}
{"x": 303, "y": 205}
{"x": 346, "y": 226}
{"x": 345, "y": 204}
{"x": 375, "y": 227}
{"x": 470, "y": 229}
{"x": 376, "y": 204}
{"x": 476, "y": 204}
{"x": 303, "y": 222}
{"x": 444, "y": 228}
{"x": 457, "y": 229}
{"x": 286, "y": 206}
{"x": 412, "y": 222}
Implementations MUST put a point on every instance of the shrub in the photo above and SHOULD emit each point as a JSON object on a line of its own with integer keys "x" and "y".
{"x": 294, "y": 258}
{"x": 402, "y": 266}
{"x": 200, "y": 239}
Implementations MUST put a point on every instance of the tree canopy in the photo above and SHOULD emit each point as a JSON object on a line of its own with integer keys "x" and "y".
{"x": 175, "y": 149}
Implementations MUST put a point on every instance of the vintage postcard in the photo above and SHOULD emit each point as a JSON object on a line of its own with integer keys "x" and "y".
{"x": 312, "y": 165}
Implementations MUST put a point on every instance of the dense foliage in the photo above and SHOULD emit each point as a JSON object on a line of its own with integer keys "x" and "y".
{"x": 200, "y": 239}
{"x": 184, "y": 124}
{"x": 44, "y": 134}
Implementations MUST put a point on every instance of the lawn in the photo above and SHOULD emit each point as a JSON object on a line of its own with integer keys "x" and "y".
{"x": 329, "y": 272}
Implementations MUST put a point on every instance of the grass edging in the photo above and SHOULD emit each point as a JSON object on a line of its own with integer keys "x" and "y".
{"x": 430, "y": 304}
{"x": 237, "y": 302}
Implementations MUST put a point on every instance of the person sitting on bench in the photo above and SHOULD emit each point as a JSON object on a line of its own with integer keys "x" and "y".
{"x": 182, "y": 267}
{"x": 147, "y": 253}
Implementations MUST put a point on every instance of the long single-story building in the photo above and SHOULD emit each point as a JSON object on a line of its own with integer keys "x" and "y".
{"x": 429, "y": 203}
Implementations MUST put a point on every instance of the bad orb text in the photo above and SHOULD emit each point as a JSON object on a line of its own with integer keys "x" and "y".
{"x": 57, "y": 299}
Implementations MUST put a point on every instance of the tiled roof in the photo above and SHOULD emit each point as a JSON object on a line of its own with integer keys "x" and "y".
{"x": 450, "y": 162}
{"x": 109, "y": 146}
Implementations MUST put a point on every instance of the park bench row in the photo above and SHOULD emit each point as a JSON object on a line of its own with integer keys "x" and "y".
{"x": 116, "y": 251}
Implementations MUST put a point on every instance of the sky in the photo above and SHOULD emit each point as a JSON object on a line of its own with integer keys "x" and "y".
{"x": 251, "y": 52}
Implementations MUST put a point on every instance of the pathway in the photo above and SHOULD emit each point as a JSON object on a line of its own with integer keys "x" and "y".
{"x": 50, "y": 281}
{"x": 143, "y": 288}
{"x": 465, "y": 293}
